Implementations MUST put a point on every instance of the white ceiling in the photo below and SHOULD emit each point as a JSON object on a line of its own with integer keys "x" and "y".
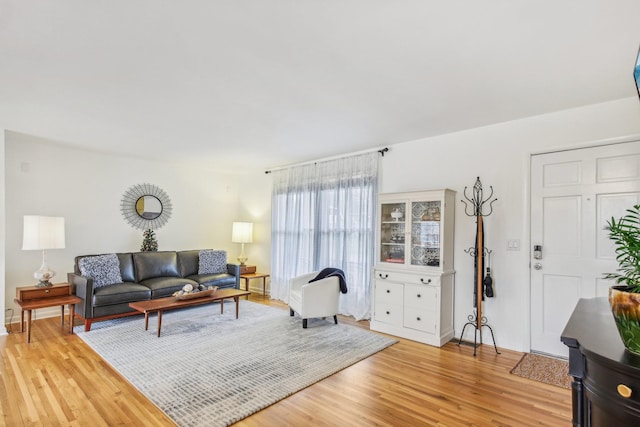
{"x": 262, "y": 83}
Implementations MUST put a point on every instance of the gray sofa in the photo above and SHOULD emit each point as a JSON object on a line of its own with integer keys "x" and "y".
{"x": 144, "y": 276}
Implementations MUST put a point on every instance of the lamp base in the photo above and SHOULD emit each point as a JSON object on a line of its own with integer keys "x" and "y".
{"x": 242, "y": 258}
{"x": 44, "y": 274}
{"x": 44, "y": 284}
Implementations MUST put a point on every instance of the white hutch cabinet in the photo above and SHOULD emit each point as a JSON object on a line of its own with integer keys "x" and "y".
{"x": 413, "y": 276}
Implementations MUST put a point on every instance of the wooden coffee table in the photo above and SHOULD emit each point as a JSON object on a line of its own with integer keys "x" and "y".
{"x": 169, "y": 303}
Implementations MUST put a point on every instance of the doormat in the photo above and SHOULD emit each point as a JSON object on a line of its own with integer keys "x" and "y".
{"x": 545, "y": 369}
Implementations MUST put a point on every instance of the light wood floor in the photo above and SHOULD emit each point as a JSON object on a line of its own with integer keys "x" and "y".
{"x": 58, "y": 380}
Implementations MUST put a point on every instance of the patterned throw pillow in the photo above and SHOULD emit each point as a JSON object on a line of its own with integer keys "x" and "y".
{"x": 212, "y": 262}
{"x": 103, "y": 269}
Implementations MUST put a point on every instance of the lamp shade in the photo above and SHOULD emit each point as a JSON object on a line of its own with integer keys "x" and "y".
{"x": 242, "y": 232}
{"x": 43, "y": 232}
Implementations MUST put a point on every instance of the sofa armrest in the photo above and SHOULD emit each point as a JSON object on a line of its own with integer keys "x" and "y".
{"x": 234, "y": 270}
{"x": 82, "y": 287}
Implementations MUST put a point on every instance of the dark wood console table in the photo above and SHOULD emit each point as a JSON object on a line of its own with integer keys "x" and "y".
{"x": 606, "y": 377}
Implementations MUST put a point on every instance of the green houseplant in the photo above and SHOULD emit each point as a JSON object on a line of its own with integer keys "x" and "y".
{"x": 624, "y": 298}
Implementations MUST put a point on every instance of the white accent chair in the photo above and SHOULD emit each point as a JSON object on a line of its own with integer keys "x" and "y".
{"x": 316, "y": 299}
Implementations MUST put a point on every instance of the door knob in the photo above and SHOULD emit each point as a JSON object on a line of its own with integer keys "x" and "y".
{"x": 537, "y": 266}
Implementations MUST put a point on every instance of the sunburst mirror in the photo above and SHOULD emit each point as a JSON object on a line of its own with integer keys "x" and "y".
{"x": 146, "y": 206}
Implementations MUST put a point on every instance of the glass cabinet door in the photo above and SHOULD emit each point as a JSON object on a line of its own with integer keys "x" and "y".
{"x": 425, "y": 233}
{"x": 392, "y": 232}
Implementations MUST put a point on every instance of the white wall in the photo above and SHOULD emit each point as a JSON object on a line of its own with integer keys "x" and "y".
{"x": 3, "y": 331}
{"x": 45, "y": 178}
{"x": 499, "y": 155}
{"x": 255, "y": 206}
{"x": 86, "y": 189}
{"x": 255, "y": 202}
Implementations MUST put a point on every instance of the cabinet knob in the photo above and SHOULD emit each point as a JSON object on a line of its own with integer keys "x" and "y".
{"x": 418, "y": 319}
{"x": 388, "y": 312}
{"x": 423, "y": 282}
{"x": 419, "y": 296}
{"x": 46, "y": 291}
{"x": 388, "y": 291}
{"x": 624, "y": 391}
{"x": 383, "y": 277}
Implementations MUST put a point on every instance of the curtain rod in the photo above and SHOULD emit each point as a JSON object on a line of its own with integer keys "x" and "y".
{"x": 381, "y": 151}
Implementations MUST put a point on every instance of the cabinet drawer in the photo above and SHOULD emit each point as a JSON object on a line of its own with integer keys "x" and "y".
{"x": 421, "y": 297}
{"x": 604, "y": 384}
{"x": 29, "y": 293}
{"x": 417, "y": 279}
{"x": 245, "y": 269}
{"x": 389, "y": 292}
{"x": 422, "y": 320}
{"x": 425, "y": 279}
{"x": 388, "y": 313}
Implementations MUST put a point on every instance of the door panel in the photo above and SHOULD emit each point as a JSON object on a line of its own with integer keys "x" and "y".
{"x": 610, "y": 205}
{"x": 573, "y": 194}
{"x": 559, "y": 174}
{"x": 619, "y": 168}
{"x": 562, "y": 232}
{"x": 557, "y": 291}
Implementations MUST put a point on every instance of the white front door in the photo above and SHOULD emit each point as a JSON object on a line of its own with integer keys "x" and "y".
{"x": 573, "y": 194}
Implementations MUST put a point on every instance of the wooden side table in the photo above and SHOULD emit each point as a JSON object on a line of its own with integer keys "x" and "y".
{"x": 31, "y": 298}
{"x": 249, "y": 276}
{"x": 246, "y": 269}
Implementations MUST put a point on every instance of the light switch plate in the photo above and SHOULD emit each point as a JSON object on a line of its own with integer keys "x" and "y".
{"x": 513, "y": 245}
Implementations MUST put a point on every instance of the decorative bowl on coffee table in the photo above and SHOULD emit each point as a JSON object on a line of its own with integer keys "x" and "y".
{"x": 196, "y": 294}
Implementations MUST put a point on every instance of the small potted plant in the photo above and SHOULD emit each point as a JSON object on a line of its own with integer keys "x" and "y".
{"x": 149, "y": 241}
{"x": 624, "y": 298}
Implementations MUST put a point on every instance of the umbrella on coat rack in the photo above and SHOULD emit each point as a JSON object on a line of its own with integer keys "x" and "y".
{"x": 488, "y": 281}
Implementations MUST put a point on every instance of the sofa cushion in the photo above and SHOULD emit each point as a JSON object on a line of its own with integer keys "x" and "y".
{"x": 126, "y": 267}
{"x": 212, "y": 262}
{"x": 120, "y": 293}
{"x": 165, "y": 286}
{"x": 188, "y": 262}
{"x": 103, "y": 269}
{"x": 223, "y": 280}
{"x": 155, "y": 264}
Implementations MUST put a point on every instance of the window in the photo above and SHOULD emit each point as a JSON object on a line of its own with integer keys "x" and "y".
{"x": 323, "y": 215}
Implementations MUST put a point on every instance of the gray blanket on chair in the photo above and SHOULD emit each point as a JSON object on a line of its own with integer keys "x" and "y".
{"x": 329, "y": 272}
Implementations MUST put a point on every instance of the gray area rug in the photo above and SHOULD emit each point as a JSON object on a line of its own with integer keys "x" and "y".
{"x": 208, "y": 369}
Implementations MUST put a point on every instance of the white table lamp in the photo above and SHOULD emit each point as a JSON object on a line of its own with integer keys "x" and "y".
{"x": 42, "y": 233}
{"x": 242, "y": 232}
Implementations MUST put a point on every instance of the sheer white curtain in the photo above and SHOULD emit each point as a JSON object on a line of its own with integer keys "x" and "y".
{"x": 324, "y": 215}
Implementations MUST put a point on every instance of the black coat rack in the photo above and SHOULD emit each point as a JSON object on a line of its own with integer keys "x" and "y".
{"x": 479, "y": 206}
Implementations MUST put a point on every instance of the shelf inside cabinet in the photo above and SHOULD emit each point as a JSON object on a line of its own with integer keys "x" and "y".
{"x": 393, "y": 213}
